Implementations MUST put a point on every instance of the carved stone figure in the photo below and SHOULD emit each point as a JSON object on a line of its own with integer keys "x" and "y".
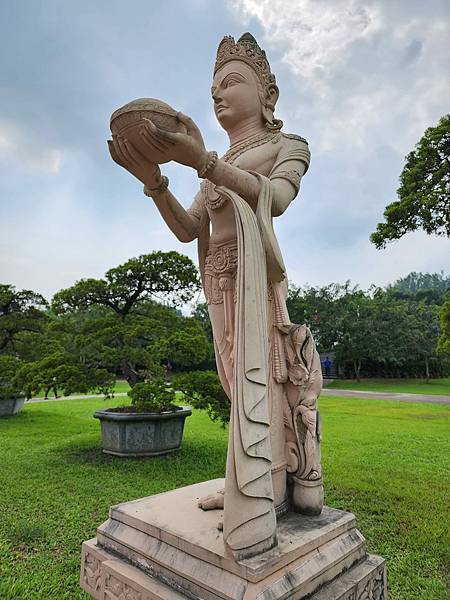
{"x": 268, "y": 366}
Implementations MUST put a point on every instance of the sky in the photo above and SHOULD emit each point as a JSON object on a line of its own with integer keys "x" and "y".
{"x": 360, "y": 80}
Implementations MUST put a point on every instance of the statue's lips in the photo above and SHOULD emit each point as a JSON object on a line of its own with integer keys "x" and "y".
{"x": 220, "y": 108}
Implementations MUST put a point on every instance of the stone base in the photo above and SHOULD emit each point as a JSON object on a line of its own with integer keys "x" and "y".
{"x": 165, "y": 548}
{"x": 12, "y": 406}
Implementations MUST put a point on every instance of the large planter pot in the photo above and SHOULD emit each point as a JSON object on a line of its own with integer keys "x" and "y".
{"x": 11, "y": 406}
{"x": 141, "y": 434}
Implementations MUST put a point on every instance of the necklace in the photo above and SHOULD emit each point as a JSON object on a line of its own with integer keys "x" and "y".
{"x": 252, "y": 142}
{"x": 212, "y": 198}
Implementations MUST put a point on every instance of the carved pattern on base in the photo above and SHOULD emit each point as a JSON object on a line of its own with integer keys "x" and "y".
{"x": 92, "y": 571}
{"x": 374, "y": 588}
{"x": 118, "y": 590}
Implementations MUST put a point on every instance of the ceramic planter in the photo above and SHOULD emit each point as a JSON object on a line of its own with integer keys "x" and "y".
{"x": 141, "y": 434}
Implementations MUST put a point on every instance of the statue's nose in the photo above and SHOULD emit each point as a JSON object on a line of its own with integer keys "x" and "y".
{"x": 217, "y": 96}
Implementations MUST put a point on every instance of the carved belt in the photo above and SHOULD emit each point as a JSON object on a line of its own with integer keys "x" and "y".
{"x": 220, "y": 271}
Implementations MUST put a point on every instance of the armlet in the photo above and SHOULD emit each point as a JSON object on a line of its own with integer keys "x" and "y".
{"x": 293, "y": 177}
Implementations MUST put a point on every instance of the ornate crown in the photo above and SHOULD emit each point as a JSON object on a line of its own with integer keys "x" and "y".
{"x": 247, "y": 50}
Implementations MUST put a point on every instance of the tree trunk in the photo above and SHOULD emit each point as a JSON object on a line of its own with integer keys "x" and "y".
{"x": 427, "y": 369}
{"x": 357, "y": 369}
{"x": 128, "y": 372}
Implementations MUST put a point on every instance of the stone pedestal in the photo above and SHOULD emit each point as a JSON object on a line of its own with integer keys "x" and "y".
{"x": 165, "y": 548}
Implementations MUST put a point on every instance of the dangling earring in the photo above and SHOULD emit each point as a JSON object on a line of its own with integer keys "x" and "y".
{"x": 272, "y": 124}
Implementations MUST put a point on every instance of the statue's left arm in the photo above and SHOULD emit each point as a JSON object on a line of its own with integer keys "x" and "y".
{"x": 290, "y": 165}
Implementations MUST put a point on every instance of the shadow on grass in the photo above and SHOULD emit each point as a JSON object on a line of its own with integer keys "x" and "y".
{"x": 191, "y": 455}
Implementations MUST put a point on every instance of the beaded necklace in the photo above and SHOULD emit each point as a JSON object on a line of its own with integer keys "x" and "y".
{"x": 214, "y": 200}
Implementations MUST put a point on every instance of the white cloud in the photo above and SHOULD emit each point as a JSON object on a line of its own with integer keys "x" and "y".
{"x": 23, "y": 148}
{"x": 313, "y": 35}
{"x": 364, "y": 69}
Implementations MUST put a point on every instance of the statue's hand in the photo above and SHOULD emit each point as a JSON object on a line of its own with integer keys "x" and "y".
{"x": 184, "y": 148}
{"x": 125, "y": 155}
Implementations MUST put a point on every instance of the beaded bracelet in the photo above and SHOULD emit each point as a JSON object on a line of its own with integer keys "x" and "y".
{"x": 162, "y": 187}
{"x": 209, "y": 165}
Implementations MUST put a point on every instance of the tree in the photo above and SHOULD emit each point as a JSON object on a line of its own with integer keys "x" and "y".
{"x": 423, "y": 333}
{"x": 417, "y": 282}
{"x": 424, "y": 192}
{"x": 115, "y": 323}
{"x": 444, "y": 317}
{"x": 158, "y": 275}
{"x": 430, "y": 287}
{"x": 319, "y": 309}
{"x": 21, "y": 315}
{"x": 203, "y": 390}
{"x": 201, "y": 314}
{"x": 61, "y": 371}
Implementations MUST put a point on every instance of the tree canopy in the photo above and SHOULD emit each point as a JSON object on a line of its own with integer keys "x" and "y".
{"x": 21, "y": 313}
{"x": 424, "y": 192}
{"x": 158, "y": 275}
{"x": 116, "y": 324}
{"x": 378, "y": 332}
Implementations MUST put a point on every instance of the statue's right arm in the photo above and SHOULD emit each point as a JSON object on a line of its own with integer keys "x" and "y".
{"x": 185, "y": 224}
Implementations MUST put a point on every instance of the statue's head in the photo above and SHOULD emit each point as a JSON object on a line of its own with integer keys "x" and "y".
{"x": 243, "y": 84}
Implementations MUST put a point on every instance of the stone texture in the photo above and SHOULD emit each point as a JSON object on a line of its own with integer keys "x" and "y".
{"x": 11, "y": 407}
{"x": 151, "y": 542}
{"x": 141, "y": 434}
{"x": 268, "y": 366}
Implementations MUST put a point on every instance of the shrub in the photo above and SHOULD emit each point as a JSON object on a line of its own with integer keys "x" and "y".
{"x": 204, "y": 390}
{"x": 9, "y": 366}
{"x": 154, "y": 396}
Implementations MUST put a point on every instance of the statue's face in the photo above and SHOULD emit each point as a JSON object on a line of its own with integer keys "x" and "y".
{"x": 236, "y": 94}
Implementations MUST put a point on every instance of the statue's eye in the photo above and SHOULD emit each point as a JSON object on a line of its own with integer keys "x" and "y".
{"x": 232, "y": 82}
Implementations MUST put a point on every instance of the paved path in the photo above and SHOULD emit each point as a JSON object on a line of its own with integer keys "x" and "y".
{"x": 429, "y": 398}
{"x": 82, "y": 397}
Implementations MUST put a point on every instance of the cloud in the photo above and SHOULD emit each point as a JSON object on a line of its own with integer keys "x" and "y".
{"x": 363, "y": 69}
{"x": 313, "y": 35}
{"x": 24, "y": 149}
{"x": 360, "y": 79}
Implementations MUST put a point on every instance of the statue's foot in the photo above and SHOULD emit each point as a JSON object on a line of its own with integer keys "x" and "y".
{"x": 213, "y": 501}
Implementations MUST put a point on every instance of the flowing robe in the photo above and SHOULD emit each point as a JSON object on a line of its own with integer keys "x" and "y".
{"x": 246, "y": 294}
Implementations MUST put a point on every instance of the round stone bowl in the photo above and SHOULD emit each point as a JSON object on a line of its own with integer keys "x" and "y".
{"x": 126, "y": 121}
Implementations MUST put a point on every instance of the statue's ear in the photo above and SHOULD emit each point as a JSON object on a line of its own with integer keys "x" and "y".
{"x": 272, "y": 95}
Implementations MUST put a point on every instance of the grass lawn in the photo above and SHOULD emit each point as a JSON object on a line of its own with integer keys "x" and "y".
{"x": 385, "y": 461}
{"x": 440, "y": 387}
{"x": 123, "y": 386}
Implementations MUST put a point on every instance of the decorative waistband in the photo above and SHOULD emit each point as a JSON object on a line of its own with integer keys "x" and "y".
{"x": 221, "y": 259}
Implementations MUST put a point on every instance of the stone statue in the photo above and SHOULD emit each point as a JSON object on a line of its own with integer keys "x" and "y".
{"x": 268, "y": 366}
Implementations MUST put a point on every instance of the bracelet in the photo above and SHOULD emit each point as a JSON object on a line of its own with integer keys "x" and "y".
{"x": 162, "y": 187}
{"x": 211, "y": 162}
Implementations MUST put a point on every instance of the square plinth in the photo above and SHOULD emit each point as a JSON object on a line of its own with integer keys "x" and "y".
{"x": 171, "y": 542}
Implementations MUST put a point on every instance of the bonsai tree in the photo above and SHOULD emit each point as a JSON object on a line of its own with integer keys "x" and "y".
{"x": 154, "y": 396}
{"x": 203, "y": 390}
{"x": 60, "y": 372}
{"x": 22, "y": 318}
{"x": 9, "y": 385}
{"x": 117, "y": 324}
{"x": 153, "y": 425}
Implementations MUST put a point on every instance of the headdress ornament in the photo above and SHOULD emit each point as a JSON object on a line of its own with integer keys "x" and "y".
{"x": 247, "y": 50}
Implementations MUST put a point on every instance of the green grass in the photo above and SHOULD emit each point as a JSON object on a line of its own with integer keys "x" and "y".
{"x": 385, "y": 461}
{"x": 401, "y": 386}
{"x": 121, "y": 386}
